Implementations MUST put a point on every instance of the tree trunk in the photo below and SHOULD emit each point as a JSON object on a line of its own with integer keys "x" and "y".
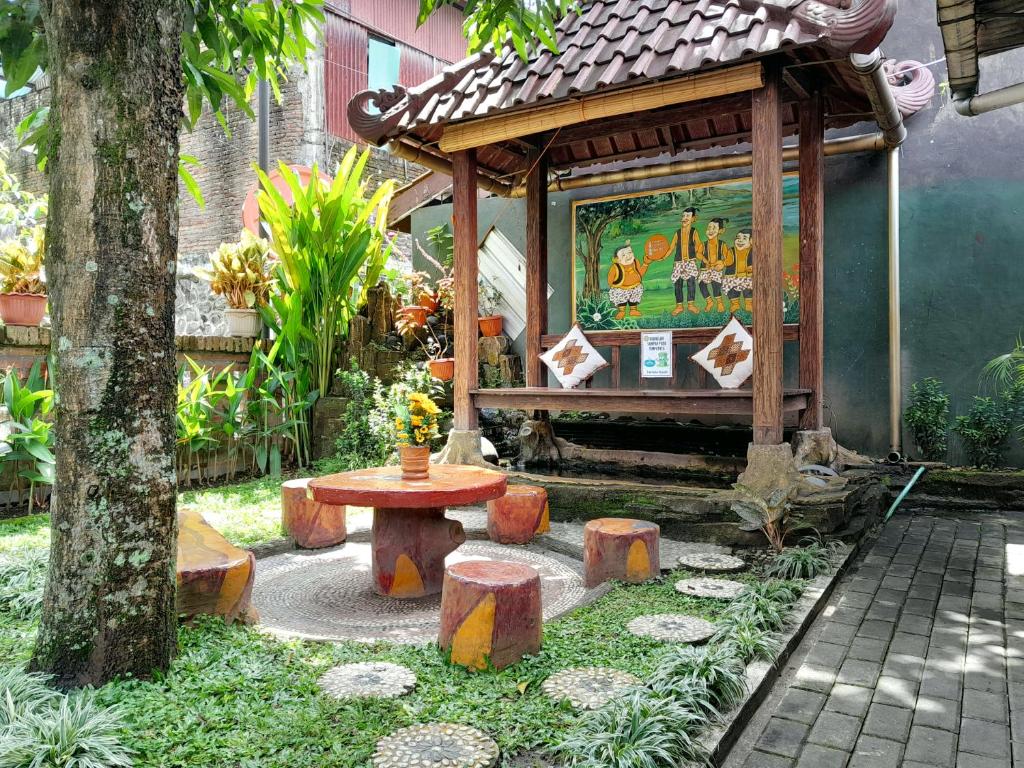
{"x": 111, "y": 245}
{"x": 592, "y": 263}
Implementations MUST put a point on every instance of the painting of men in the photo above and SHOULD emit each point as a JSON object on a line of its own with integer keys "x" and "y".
{"x": 689, "y": 252}
{"x": 739, "y": 278}
{"x": 717, "y": 258}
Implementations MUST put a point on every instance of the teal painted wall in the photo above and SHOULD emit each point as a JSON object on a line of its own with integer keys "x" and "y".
{"x": 962, "y": 249}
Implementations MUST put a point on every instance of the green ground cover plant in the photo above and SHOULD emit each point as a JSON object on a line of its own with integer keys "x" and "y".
{"x": 237, "y": 697}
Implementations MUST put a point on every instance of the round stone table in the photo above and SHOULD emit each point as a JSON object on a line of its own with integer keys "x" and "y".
{"x": 411, "y": 536}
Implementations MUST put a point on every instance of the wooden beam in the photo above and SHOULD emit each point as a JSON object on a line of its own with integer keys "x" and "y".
{"x": 525, "y": 122}
{"x": 653, "y": 119}
{"x": 536, "y": 266}
{"x": 612, "y": 339}
{"x": 766, "y": 143}
{"x": 464, "y": 230}
{"x": 812, "y": 281}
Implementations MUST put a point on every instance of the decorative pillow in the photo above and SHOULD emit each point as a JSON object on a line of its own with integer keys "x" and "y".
{"x": 573, "y": 360}
{"x": 730, "y": 357}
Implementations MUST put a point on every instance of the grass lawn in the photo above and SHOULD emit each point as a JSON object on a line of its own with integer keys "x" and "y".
{"x": 235, "y": 698}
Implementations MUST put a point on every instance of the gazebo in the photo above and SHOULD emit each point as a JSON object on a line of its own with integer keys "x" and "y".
{"x": 651, "y": 80}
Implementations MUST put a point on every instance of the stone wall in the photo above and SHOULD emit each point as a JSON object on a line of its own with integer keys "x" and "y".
{"x": 22, "y": 346}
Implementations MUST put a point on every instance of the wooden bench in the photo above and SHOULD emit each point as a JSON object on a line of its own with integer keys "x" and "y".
{"x": 651, "y": 395}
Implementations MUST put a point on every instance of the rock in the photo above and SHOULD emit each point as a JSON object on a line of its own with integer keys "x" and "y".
{"x": 537, "y": 443}
{"x": 491, "y": 348}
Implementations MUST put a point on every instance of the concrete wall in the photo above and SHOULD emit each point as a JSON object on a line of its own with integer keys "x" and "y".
{"x": 962, "y": 199}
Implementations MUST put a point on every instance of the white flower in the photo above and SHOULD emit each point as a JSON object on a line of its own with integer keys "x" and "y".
{"x": 597, "y": 317}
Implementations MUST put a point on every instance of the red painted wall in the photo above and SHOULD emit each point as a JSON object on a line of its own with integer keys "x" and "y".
{"x": 349, "y": 24}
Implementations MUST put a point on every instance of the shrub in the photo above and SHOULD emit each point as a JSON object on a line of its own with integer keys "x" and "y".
{"x": 74, "y": 733}
{"x": 928, "y": 418}
{"x": 240, "y": 272}
{"x": 714, "y": 667}
{"x": 803, "y": 562}
{"x": 642, "y": 730}
{"x": 21, "y": 691}
{"x": 986, "y": 428}
{"x": 772, "y": 515}
{"x": 358, "y": 445}
{"x": 764, "y": 604}
{"x": 746, "y": 639}
{"x": 22, "y": 577}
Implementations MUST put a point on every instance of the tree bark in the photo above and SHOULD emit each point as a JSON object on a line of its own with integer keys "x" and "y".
{"x": 111, "y": 245}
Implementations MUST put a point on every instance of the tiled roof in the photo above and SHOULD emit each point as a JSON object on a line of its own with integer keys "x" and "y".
{"x": 612, "y": 43}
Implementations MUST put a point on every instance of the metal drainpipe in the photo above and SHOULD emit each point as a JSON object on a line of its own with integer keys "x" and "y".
{"x": 895, "y": 371}
{"x": 969, "y": 105}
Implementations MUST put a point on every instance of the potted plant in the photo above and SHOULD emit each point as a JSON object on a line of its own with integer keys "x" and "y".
{"x": 489, "y": 319}
{"x": 22, "y": 280}
{"x": 417, "y": 298}
{"x": 415, "y": 427}
{"x": 441, "y": 367}
{"x": 240, "y": 272}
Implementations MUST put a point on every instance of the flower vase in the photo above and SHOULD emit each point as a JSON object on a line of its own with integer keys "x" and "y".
{"x": 415, "y": 461}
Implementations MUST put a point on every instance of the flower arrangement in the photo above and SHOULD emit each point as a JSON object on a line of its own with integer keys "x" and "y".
{"x": 241, "y": 272}
{"x": 416, "y": 421}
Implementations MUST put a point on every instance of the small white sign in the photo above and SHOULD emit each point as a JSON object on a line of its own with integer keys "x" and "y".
{"x": 656, "y": 353}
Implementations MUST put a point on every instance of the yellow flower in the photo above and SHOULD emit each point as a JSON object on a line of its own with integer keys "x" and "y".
{"x": 416, "y": 420}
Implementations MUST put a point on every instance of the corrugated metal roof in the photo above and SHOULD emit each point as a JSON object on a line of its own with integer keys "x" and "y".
{"x": 975, "y": 28}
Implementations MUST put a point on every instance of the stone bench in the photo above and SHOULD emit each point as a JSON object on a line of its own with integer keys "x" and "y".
{"x": 622, "y": 549}
{"x": 519, "y": 515}
{"x": 310, "y": 524}
{"x": 214, "y": 576}
{"x": 490, "y": 613}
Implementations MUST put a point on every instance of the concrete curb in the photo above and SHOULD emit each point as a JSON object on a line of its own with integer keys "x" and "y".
{"x": 761, "y": 675}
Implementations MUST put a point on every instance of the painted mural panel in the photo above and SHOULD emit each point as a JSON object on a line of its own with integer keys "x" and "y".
{"x": 675, "y": 258}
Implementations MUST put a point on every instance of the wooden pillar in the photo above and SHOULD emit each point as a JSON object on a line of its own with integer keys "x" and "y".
{"x": 767, "y": 219}
{"x": 812, "y": 281}
{"x": 464, "y": 201}
{"x": 536, "y": 265}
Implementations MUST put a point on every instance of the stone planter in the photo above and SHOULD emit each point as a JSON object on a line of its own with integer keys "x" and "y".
{"x": 442, "y": 369}
{"x": 22, "y": 308}
{"x": 490, "y": 325}
{"x": 243, "y": 322}
{"x": 415, "y": 461}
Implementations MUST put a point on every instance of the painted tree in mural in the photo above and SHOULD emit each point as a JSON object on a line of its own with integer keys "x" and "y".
{"x": 592, "y": 222}
{"x": 120, "y": 73}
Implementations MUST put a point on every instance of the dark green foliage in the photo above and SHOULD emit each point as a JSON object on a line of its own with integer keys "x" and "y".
{"x": 40, "y": 728}
{"x": 985, "y": 430}
{"x": 803, "y": 562}
{"x": 714, "y": 667}
{"x": 525, "y": 25}
{"x": 22, "y": 576}
{"x": 642, "y": 730}
{"x": 928, "y": 418}
{"x": 358, "y": 445}
{"x": 29, "y": 404}
{"x": 772, "y": 514}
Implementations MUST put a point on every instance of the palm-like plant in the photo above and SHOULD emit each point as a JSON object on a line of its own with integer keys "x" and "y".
{"x": 332, "y": 246}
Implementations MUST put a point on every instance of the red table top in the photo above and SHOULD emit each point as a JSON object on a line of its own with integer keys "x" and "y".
{"x": 449, "y": 485}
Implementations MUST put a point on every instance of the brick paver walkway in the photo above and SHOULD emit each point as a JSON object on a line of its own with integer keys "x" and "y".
{"x": 921, "y": 661}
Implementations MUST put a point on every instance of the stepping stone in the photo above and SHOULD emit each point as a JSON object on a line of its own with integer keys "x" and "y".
{"x": 672, "y": 628}
{"x": 370, "y": 678}
{"x": 712, "y": 562}
{"x": 589, "y": 687}
{"x": 719, "y": 589}
{"x": 435, "y": 745}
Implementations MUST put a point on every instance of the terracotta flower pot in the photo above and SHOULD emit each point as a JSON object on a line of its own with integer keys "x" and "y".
{"x": 443, "y": 368}
{"x": 490, "y": 325}
{"x": 22, "y": 308}
{"x": 415, "y": 461}
{"x": 414, "y": 314}
{"x": 243, "y": 322}
{"x": 429, "y": 302}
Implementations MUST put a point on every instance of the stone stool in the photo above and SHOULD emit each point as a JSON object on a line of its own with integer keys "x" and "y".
{"x": 490, "y": 613}
{"x": 519, "y": 515}
{"x": 311, "y": 524}
{"x": 617, "y": 548}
